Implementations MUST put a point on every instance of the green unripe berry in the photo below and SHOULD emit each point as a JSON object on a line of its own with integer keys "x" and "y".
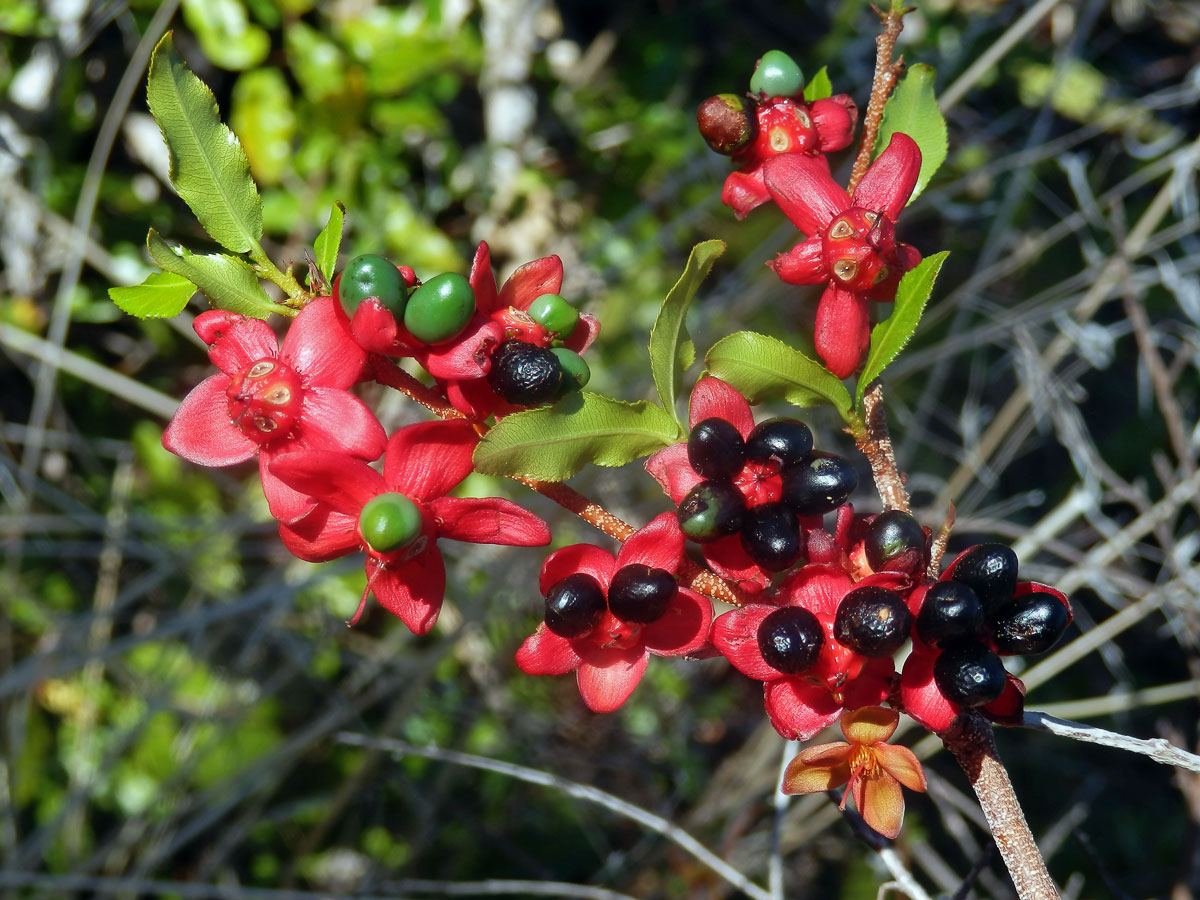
{"x": 576, "y": 373}
{"x": 440, "y": 308}
{"x": 389, "y": 522}
{"x": 554, "y": 313}
{"x": 777, "y": 75}
{"x": 372, "y": 276}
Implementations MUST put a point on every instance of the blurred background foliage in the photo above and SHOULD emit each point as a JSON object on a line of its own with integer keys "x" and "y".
{"x": 172, "y": 683}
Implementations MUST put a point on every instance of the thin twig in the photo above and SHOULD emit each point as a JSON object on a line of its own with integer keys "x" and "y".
{"x": 1158, "y": 749}
{"x": 876, "y": 444}
{"x": 887, "y": 73}
{"x": 657, "y": 824}
{"x": 775, "y": 860}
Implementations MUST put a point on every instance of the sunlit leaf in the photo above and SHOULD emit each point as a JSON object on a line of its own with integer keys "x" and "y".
{"x": 761, "y": 366}
{"x": 228, "y": 282}
{"x": 555, "y": 442}
{"x": 912, "y": 109}
{"x": 161, "y": 296}
{"x": 329, "y": 242}
{"x": 819, "y": 86}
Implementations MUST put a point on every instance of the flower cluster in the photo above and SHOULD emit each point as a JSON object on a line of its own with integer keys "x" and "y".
{"x": 780, "y": 143}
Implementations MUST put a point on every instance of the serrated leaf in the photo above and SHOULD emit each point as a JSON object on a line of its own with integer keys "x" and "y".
{"x": 208, "y": 165}
{"x": 889, "y": 336}
{"x": 671, "y": 347}
{"x": 228, "y": 282}
{"x": 761, "y": 366}
{"x": 329, "y": 241}
{"x": 161, "y": 296}
{"x": 913, "y": 110}
{"x": 555, "y": 442}
{"x": 819, "y": 86}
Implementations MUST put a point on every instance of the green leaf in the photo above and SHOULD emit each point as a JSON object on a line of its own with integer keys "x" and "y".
{"x": 226, "y": 34}
{"x": 913, "y": 110}
{"x": 228, "y": 282}
{"x": 819, "y": 86}
{"x": 329, "y": 242}
{"x": 208, "y": 165}
{"x": 161, "y": 296}
{"x": 555, "y": 442}
{"x": 671, "y": 348}
{"x": 889, "y": 336}
{"x": 760, "y": 366}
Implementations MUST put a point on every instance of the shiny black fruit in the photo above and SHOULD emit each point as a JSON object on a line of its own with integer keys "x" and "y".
{"x": 716, "y": 449}
{"x": 790, "y": 639}
{"x": 990, "y": 570}
{"x": 786, "y": 441}
{"x": 640, "y": 593}
{"x": 895, "y": 542}
{"x": 711, "y": 510}
{"x": 872, "y": 621}
{"x": 818, "y": 485}
{"x": 574, "y": 606}
{"x": 525, "y": 374}
{"x": 1031, "y": 623}
{"x": 950, "y": 612}
{"x": 969, "y": 674}
{"x": 771, "y": 536}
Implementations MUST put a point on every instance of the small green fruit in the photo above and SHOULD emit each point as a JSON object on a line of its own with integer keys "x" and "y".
{"x": 777, "y": 75}
{"x": 371, "y": 276}
{"x": 440, "y": 309}
{"x": 389, "y": 522}
{"x": 554, "y": 313}
{"x": 576, "y": 373}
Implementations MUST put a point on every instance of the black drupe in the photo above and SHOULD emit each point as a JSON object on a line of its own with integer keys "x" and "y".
{"x": 1031, "y": 623}
{"x": 990, "y": 570}
{"x": 716, "y": 449}
{"x": 818, "y": 485}
{"x": 949, "y": 612}
{"x": 711, "y": 510}
{"x": 771, "y": 537}
{"x": 785, "y": 441}
{"x": 969, "y": 674}
{"x": 790, "y": 639}
{"x": 640, "y": 593}
{"x": 574, "y": 606}
{"x": 872, "y": 621}
{"x": 525, "y": 374}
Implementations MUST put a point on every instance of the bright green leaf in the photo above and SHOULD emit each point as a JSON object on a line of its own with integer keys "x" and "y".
{"x": 819, "y": 86}
{"x": 161, "y": 296}
{"x": 555, "y": 442}
{"x": 208, "y": 165}
{"x": 329, "y": 242}
{"x": 671, "y": 348}
{"x": 760, "y": 366}
{"x": 913, "y": 110}
{"x": 889, "y": 336}
{"x": 228, "y": 282}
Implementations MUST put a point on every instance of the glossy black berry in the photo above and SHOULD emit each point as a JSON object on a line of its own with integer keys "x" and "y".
{"x": 711, "y": 510}
{"x": 771, "y": 536}
{"x": 818, "y": 485}
{"x": 525, "y": 374}
{"x": 872, "y": 621}
{"x": 1031, "y": 623}
{"x": 969, "y": 674}
{"x": 895, "y": 542}
{"x": 790, "y": 639}
{"x": 786, "y": 441}
{"x": 574, "y": 606}
{"x": 950, "y": 612}
{"x": 990, "y": 570}
{"x": 641, "y": 593}
{"x": 716, "y": 449}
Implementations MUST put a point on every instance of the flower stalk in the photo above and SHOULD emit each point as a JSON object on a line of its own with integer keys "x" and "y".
{"x": 887, "y": 74}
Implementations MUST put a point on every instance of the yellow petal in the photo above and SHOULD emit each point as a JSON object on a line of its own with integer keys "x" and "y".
{"x": 805, "y": 779}
{"x": 901, "y": 764}
{"x": 869, "y": 724}
{"x": 881, "y": 803}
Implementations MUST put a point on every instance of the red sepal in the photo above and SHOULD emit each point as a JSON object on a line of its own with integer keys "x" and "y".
{"x": 488, "y": 520}
{"x": 804, "y": 190}
{"x": 429, "y": 459}
{"x": 530, "y": 281}
{"x": 200, "y": 430}
{"x": 658, "y": 544}
{"x": 735, "y": 635}
{"x": 834, "y": 119}
{"x": 683, "y": 628}
{"x": 586, "y": 558}
{"x": 237, "y": 342}
{"x": 320, "y": 347}
{"x": 843, "y": 329}
{"x": 714, "y": 397}
{"x": 607, "y": 676}
{"x": 890, "y": 180}
{"x": 545, "y": 653}
{"x": 797, "y": 709}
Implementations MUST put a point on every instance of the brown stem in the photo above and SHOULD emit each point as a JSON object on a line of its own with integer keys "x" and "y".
{"x": 876, "y": 444}
{"x": 938, "y": 548}
{"x": 887, "y": 73}
{"x": 699, "y": 579}
{"x": 971, "y": 742}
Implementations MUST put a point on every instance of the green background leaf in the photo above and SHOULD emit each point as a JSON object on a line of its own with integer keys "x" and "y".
{"x": 913, "y": 110}
{"x": 671, "y": 347}
{"x": 228, "y": 282}
{"x": 161, "y": 296}
{"x": 761, "y": 366}
{"x": 819, "y": 86}
{"x": 329, "y": 242}
{"x": 208, "y": 165}
{"x": 889, "y": 336}
{"x": 555, "y": 442}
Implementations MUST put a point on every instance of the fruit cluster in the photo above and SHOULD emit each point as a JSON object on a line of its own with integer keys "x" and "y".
{"x": 975, "y": 613}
